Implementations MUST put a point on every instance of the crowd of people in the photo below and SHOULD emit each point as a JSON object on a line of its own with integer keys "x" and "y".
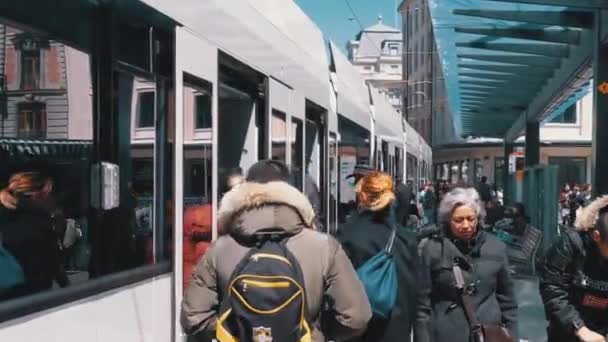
{"x": 571, "y": 199}
{"x": 453, "y": 285}
{"x": 273, "y": 274}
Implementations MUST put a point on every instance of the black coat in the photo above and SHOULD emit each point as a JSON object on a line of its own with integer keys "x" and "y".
{"x": 568, "y": 301}
{"x": 440, "y": 315}
{"x": 28, "y": 234}
{"x": 362, "y": 237}
{"x": 404, "y": 196}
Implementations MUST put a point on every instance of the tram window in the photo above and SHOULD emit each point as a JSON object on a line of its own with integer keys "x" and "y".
{"x": 46, "y": 145}
{"x": 499, "y": 164}
{"x": 198, "y": 177}
{"x": 237, "y": 131}
{"x": 297, "y": 145}
{"x": 133, "y": 220}
{"x": 279, "y": 136}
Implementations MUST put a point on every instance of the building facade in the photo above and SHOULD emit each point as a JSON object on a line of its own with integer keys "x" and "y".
{"x": 565, "y": 143}
{"x": 425, "y": 103}
{"x": 376, "y": 54}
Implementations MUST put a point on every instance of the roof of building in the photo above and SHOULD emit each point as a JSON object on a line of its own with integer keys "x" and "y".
{"x": 372, "y": 37}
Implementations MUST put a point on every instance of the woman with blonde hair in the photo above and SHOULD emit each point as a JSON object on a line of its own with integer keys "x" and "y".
{"x": 365, "y": 234}
{"x": 28, "y": 224}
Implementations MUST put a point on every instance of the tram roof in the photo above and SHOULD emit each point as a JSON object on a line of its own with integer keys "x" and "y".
{"x": 257, "y": 33}
{"x": 353, "y": 95}
{"x": 388, "y": 120}
{"x": 508, "y": 62}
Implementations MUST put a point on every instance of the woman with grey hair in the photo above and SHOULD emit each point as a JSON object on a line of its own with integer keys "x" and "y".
{"x": 482, "y": 260}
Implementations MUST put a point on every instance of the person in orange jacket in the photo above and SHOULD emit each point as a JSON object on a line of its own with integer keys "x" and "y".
{"x": 197, "y": 237}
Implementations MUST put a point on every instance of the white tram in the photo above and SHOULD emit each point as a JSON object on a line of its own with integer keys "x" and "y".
{"x": 173, "y": 95}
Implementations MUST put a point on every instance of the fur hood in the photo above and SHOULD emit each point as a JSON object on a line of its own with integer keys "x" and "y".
{"x": 250, "y": 196}
{"x": 587, "y": 217}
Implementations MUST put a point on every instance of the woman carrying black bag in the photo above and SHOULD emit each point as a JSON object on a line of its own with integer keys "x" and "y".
{"x": 366, "y": 234}
{"x": 465, "y": 291}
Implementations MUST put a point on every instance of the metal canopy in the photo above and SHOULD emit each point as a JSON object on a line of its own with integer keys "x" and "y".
{"x": 502, "y": 59}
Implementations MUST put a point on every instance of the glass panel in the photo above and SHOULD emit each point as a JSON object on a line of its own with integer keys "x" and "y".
{"x": 279, "y": 136}
{"x": 455, "y": 167}
{"x": 297, "y": 145}
{"x": 203, "y": 110}
{"x": 571, "y": 170}
{"x": 46, "y": 221}
{"x": 478, "y": 170}
{"x": 133, "y": 220}
{"x": 238, "y": 133}
{"x": 568, "y": 117}
{"x": 198, "y": 179}
{"x": 145, "y": 109}
{"x": 499, "y": 163}
{"x": 30, "y": 68}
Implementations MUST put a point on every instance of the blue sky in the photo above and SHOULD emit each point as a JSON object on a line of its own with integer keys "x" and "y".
{"x": 332, "y": 16}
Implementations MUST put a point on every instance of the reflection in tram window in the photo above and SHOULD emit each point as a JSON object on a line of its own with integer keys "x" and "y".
{"x": 145, "y": 109}
{"x": 279, "y": 136}
{"x": 237, "y": 129}
{"x": 46, "y": 144}
{"x": 198, "y": 173}
{"x": 297, "y": 152}
{"x": 202, "y": 105}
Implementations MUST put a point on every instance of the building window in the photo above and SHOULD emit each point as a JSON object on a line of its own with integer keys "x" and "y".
{"x": 145, "y": 109}
{"x": 32, "y": 121}
{"x": 567, "y": 117}
{"x": 394, "y": 66}
{"x": 203, "y": 111}
{"x": 367, "y": 67}
{"x": 30, "y": 69}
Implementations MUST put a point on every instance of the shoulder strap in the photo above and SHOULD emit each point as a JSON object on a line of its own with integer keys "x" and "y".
{"x": 467, "y": 298}
{"x": 391, "y": 240}
{"x": 392, "y": 219}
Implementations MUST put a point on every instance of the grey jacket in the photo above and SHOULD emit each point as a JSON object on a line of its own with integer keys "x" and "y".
{"x": 329, "y": 276}
{"x": 441, "y": 316}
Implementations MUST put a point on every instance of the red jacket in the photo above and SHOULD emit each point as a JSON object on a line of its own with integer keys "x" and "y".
{"x": 197, "y": 237}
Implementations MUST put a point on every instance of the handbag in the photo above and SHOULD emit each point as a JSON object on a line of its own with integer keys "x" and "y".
{"x": 379, "y": 278}
{"x": 479, "y": 332}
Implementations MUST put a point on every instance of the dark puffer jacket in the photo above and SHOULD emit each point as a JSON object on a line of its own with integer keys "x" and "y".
{"x": 570, "y": 302}
{"x": 362, "y": 237}
{"x": 440, "y": 315}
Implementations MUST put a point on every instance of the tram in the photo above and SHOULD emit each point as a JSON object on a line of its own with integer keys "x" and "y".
{"x": 137, "y": 109}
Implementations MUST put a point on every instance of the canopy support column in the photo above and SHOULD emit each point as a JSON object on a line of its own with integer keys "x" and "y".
{"x": 599, "y": 162}
{"x": 532, "y": 144}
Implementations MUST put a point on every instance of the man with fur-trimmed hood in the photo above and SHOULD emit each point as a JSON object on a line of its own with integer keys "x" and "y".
{"x": 265, "y": 200}
{"x": 574, "y": 283}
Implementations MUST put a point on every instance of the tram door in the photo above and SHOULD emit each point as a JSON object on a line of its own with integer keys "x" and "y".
{"x": 315, "y": 178}
{"x": 196, "y": 157}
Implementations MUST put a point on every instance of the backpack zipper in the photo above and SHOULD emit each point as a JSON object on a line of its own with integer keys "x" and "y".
{"x": 266, "y": 284}
{"x": 257, "y": 256}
